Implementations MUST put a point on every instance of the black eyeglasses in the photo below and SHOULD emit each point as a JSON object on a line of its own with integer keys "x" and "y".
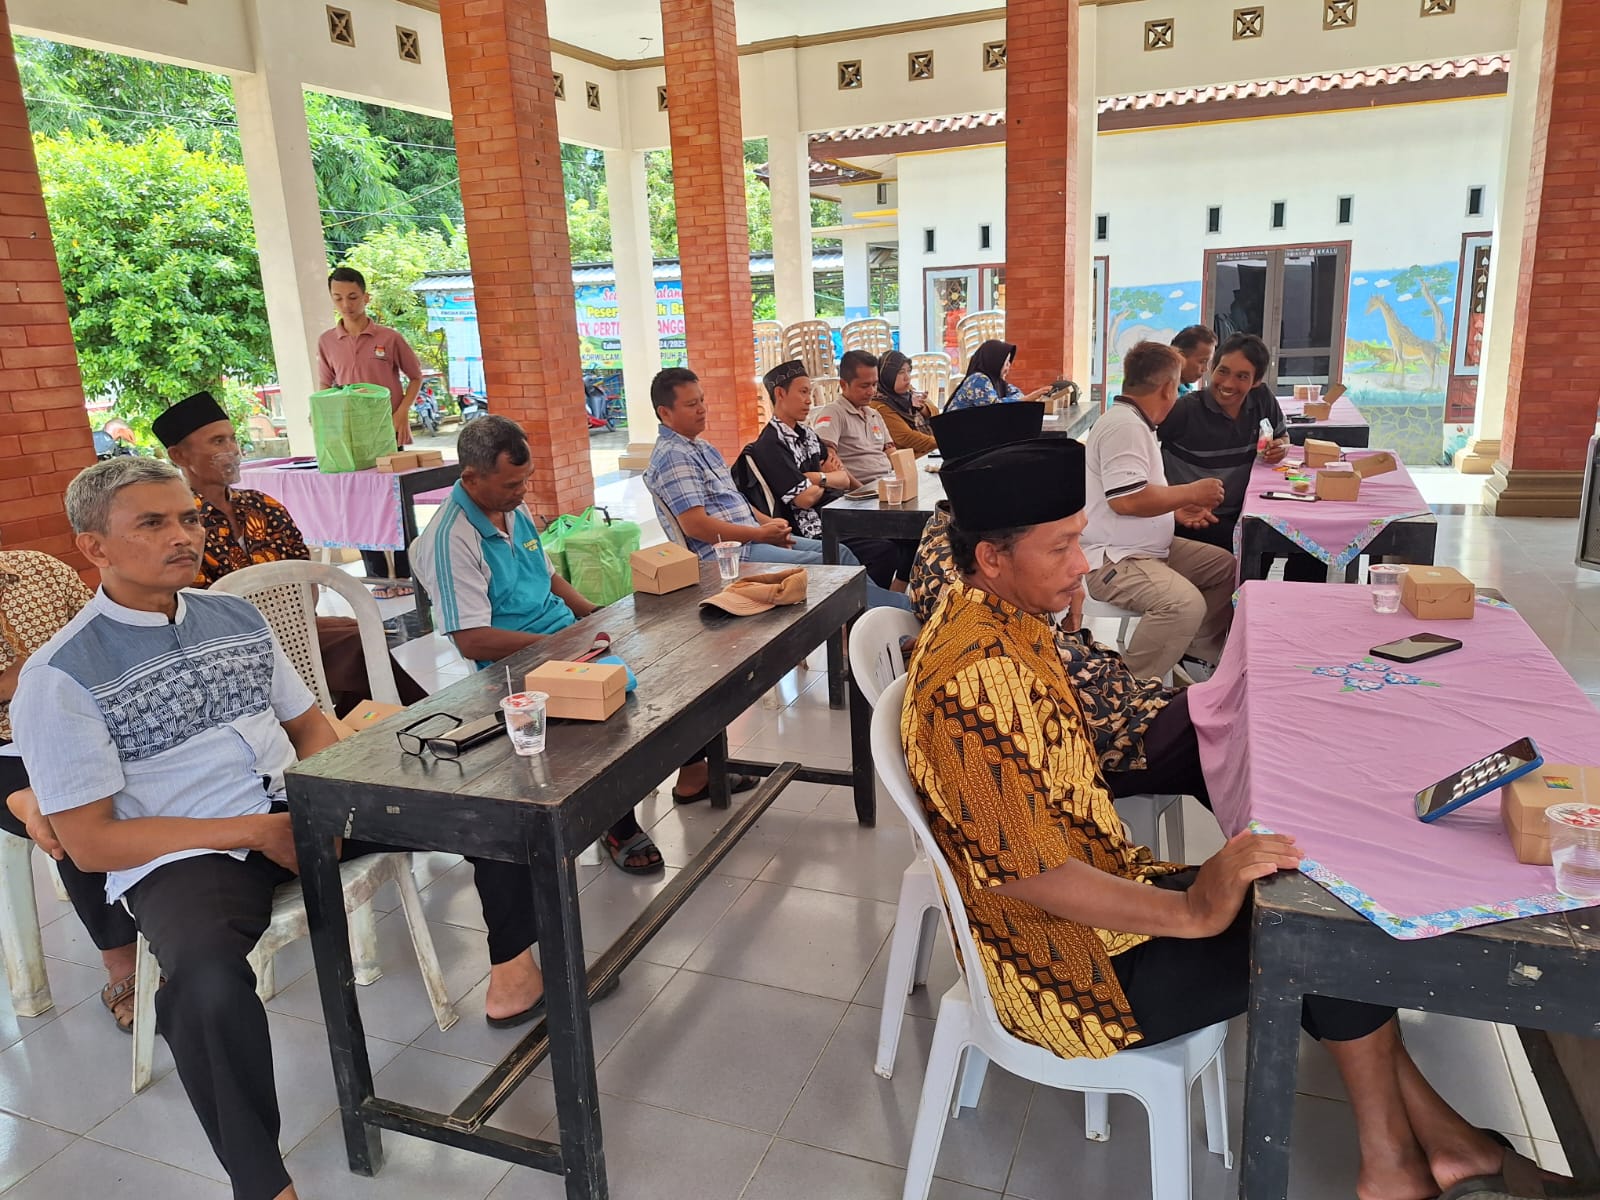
{"x": 414, "y": 743}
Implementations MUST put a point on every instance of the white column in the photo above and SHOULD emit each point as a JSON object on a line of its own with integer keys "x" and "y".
{"x": 1505, "y": 262}
{"x": 1083, "y": 290}
{"x": 789, "y": 175}
{"x": 636, "y": 288}
{"x": 857, "y": 274}
{"x": 286, "y": 213}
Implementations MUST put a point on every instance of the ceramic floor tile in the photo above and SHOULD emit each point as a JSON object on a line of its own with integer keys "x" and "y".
{"x": 827, "y": 941}
{"x": 832, "y": 855}
{"x": 25, "y": 1145}
{"x": 682, "y": 834}
{"x": 924, "y": 1001}
{"x": 439, "y": 1082}
{"x": 657, "y": 1153}
{"x": 70, "y": 985}
{"x": 160, "y": 1123}
{"x": 452, "y": 899}
{"x": 791, "y": 1171}
{"x": 71, "y": 1072}
{"x": 723, "y": 1049}
{"x": 845, "y": 1107}
{"x": 413, "y": 1169}
{"x": 87, "y": 1168}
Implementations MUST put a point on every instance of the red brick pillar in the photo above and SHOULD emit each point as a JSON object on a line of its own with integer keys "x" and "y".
{"x": 713, "y": 233}
{"x": 502, "y": 99}
{"x": 1041, "y": 183}
{"x": 44, "y": 430}
{"x": 1554, "y": 385}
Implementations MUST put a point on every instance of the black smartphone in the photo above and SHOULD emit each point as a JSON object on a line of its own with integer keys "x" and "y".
{"x": 1416, "y": 648}
{"x": 1306, "y": 499}
{"x": 1299, "y": 419}
{"x": 1482, "y": 777}
{"x": 453, "y": 743}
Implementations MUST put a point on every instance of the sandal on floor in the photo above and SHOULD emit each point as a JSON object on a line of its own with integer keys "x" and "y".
{"x": 736, "y": 784}
{"x": 638, "y": 846}
{"x": 535, "y": 1011}
{"x": 391, "y": 591}
{"x": 1519, "y": 1179}
{"x": 119, "y": 1001}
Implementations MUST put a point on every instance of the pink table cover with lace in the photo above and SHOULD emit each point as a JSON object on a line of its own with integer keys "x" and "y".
{"x": 353, "y": 510}
{"x": 1302, "y": 732}
{"x": 1334, "y": 531}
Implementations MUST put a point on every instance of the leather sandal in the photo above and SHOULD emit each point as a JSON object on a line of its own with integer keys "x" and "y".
{"x": 1520, "y": 1178}
{"x": 736, "y": 784}
{"x": 638, "y": 846}
{"x": 118, "y": 997}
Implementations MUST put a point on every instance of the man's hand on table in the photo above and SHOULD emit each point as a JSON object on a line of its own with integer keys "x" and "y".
{"x": 774, "y": 533}
{"x": 583, "y": 608}
{"x": 1224, "y": 879}
{"x": 24, "y": 806}
{"x": 1193, "y": 516}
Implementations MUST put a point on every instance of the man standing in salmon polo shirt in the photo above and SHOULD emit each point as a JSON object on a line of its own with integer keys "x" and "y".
{"x": 359, "y": 350}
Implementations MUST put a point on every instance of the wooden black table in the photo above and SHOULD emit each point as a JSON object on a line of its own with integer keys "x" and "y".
{"x": 1410, "y": 539}
{"x": 697, "y": 671}
{"x": 1538, "y": 973}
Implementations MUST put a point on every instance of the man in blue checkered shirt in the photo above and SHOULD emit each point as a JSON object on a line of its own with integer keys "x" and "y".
{"x": 689, "y": 478}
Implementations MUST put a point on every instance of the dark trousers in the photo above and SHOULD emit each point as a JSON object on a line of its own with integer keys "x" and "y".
{"x": 1297, "y": 568}
{"x": 1172, "y": 758}
{"x": 378, "y": 566}
{"x": 885, "y": 560}
{"x": 202, "y": 917}
{"x": 109, "y": 926}
{"x": 1178, "y": 985}
{"x": 344, "y": 662}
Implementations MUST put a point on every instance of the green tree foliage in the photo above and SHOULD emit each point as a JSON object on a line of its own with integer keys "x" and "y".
{"x": 1130, "y": 302}
{"x": 1430, "y": 283}
{"x": 158, "y": 258}
{"x": 395, "y": 257}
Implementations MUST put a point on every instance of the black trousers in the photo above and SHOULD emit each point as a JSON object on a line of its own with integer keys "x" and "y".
{"x": 1178, "y": 985}
{"x": 378, "y": 566}
{"x": 202, "y": 917}
{"x": 884, "y": 560}
{"x": 1172, "y": 758}
{"x": 1297, "y": 568}
{"x": 109, "y": 926}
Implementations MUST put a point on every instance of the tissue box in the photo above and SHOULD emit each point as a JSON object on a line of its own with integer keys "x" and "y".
{"x": 1437, "y": 593}
{"x": 430, "y": 458}
{"x": 664, "y": 568}
{"x": 1523, "y": 802}
{"x": 393, "y": 464}
{"x": 1379, "y": 462}
{"x": 1320, "y": 453}
{"x": 587, "y": 691}
{"x": 1336, "y": 481}
{"x": 363, "y": 716}
{"x": 1317, "y": 410}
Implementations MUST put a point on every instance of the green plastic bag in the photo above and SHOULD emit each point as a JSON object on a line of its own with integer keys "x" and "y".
{"x": 554, "y": 540}
{"x": 596, "y": 552}
{"x": 351, "y": 427}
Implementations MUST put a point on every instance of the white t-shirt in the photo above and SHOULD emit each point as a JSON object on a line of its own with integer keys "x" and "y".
{"x": 1122, "y": 456}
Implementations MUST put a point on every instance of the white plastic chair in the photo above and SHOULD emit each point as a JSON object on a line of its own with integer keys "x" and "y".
{"x": 930, "y": 373}
{"x": 968, "y": 1029}
{"x": 976, "y": 328}
{"x": 20, "y": 941}
{"x": 1100, "y": 610}
{"x": 872, "y": 334}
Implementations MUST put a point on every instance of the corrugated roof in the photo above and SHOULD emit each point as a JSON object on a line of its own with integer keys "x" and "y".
{"x": 1289, "y": 85}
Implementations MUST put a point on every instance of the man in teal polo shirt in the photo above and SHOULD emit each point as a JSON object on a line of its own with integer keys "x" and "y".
{"x": 494, "y": 592}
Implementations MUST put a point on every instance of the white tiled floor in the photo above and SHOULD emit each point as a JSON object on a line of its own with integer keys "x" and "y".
{"x": 736, "y": 1057}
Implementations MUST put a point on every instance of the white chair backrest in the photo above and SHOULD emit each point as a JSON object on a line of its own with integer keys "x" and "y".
{"x": 824, "y": 391}
{"x": 974, "y": 329}
{"x": 769, "y": 346}
{"x": 669, "y": 520}
{"x": 875, "y": 658}
{"x": 812, "y": 343}
{"x": 285, "y": 594}
{"x": 872, "y": 334}
{"x": 889, "y": 757}
{"x": 930, "y": 373}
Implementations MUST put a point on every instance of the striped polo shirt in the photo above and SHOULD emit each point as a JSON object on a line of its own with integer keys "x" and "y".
{"x": 169, "y": 718}
{"x": 1200, "y": 441}
{"x": 481, "y": 577}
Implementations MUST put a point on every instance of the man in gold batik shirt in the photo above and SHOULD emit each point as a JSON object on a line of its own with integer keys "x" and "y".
{"x": 1087, "y": 945}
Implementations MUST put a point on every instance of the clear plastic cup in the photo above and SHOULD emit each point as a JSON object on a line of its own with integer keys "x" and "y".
{"x": 525, "y": 720}
{"x": 1385, "y": 579}
{"x": 728, "y": 556}
{"x": 894, "y": 491}
{"x": 1575, "y": 849}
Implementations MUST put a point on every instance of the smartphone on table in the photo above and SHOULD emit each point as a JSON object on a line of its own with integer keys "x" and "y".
{"x": 1308, "y": 498}
{"x": 1478, "y": 779}
{"x": 1416, "y": 648}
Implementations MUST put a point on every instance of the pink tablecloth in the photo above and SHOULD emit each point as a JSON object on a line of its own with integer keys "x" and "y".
{"x": 1342, "y": 413}
{"x": 355, "y": 510}
{"x": 1302, "y": 732}
{"x": 1334, "y": 531}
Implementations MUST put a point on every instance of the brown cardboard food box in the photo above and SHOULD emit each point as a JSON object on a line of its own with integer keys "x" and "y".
{"x": 393, "y": 464}
{"x": 1437, "y": 593}
{"x": 585, "y": 691}
{"x": 1317, "y": 410}
{"x": 1379, "y": 462}
{"x": 1523, "y": 802}
{"x": 1335, "y": 481}
{"x": 1320, "y": 453}
{"x": 664, "y": 568}
{"x": 904, "y": 463}
{"x": 430, "y": 458}
{"x": 364, "y": 716}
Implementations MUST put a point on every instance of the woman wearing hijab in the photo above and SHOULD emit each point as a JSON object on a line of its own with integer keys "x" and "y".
{"x": 905, "y": 413}
{"x": 987, "y": 379}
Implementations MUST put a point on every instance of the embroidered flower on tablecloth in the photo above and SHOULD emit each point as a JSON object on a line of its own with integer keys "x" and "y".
{"x": 1369, "y": 675}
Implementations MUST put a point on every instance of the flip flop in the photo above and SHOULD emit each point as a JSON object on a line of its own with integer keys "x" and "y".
{"x": 736, "y": 784}
{"x": 535, "y": 1011}
{"x": 1519, "y": 1179}
{"x": 394, "y": 591}
{"x": 636, "y": 846}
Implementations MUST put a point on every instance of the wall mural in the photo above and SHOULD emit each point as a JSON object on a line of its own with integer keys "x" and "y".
{"x": 1153, "y": 313}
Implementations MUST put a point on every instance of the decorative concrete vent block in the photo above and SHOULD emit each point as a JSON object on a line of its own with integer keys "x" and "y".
{"x": 919, "y": 64}
{"x": 1160, "y": 34}
{"x": 994, "y": 56}
{"x": 1249, "y": 23}
{"x": 341, "y": 26}
{"x": 408, "y": 44}
{"x": 850, "y": 75}
{"x": 1339, "y": 14}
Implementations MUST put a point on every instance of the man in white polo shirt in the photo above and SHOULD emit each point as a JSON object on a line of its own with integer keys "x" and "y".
{"x": 1182, "y": 588}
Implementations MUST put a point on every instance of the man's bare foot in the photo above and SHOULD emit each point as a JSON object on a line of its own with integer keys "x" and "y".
{"x": 1402, "y": 1176}
{"x": 692, "y": 778}
{"x": 288, "y": 1193}
{"x": 514, "y": 987}
{"x": 120, "y": 962}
